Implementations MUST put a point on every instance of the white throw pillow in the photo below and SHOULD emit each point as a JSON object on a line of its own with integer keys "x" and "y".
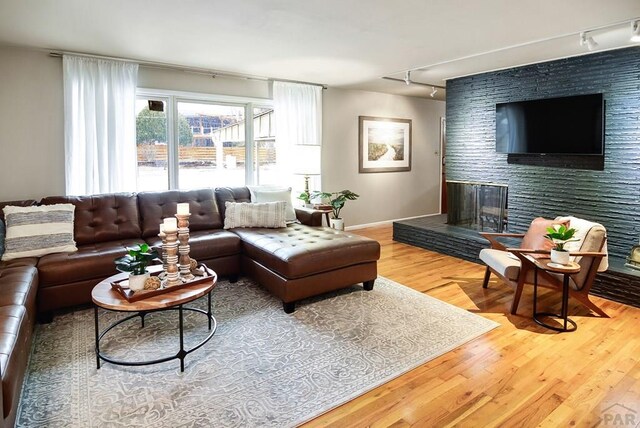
{"x": 37, "y": 231}
{"x": 274, "y": 194}
{"x": 244, "y": 214}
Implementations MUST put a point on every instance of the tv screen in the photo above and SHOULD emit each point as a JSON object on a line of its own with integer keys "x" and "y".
{"x": 568, "y": 125}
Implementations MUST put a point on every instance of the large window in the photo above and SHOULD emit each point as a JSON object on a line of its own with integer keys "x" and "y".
{"x": 194, "y": 142}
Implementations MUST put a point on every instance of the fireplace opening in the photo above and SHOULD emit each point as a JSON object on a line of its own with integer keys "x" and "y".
{"x": 477, "y": 206}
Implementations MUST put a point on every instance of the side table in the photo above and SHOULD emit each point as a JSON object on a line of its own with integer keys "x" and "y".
{"x": 566, "y": 271}
{"x": 326, "y": 213}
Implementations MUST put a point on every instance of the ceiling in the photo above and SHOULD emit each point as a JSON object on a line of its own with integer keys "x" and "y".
{"x": 341, "y": 43}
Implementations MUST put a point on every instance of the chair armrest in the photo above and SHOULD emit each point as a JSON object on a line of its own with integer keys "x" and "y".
{"x": 527, "y": 251}
{"x": 588, "y": 254}
{"x": 309, "y": 216}
{"x": 499, "y": 234}
{"x": 495, "y": 244}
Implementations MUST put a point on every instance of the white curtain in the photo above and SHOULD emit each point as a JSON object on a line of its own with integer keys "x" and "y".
{"x": 298, "y": 111}
{"x": 99, "y": 125}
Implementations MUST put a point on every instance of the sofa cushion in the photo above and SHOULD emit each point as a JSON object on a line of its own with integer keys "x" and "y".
{"x": 15, "y": 343}
{"x": 244, "y": 214}
{"x": 102, "y": 218}
{"x": 18, "y": 286}
{"x": 231, "y": 194}
{"x": 36, "y": 231}
{"x": 155, "y": 206}
{"x": 297, "y": 250}
{"x": 24, "y": 261}
{"x": 205, "y": 245}
{"x": 92, "y": 261}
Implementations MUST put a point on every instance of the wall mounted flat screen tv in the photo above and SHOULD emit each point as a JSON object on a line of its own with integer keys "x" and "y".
{"x": 568, "y": 125}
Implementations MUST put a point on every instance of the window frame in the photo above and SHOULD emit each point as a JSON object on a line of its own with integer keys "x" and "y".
{"x": 172, "y": 98}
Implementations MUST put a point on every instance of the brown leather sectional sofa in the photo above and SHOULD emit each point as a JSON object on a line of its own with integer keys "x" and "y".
{"x": 293, "y": 263}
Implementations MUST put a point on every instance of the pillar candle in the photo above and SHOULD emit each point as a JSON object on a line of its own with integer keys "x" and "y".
{"x": 170, "y": 224}
{"x": 183, "y": 209}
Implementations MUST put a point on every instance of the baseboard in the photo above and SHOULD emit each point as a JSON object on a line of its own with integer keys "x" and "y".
{"x": 380, "y": 223}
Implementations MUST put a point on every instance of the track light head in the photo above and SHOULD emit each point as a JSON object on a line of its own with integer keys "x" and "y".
{"x": 434, "y": 91}
{"x": 586, "y": 40}
{"x": 635, "y": 32}
{"x": 407, "y": 77}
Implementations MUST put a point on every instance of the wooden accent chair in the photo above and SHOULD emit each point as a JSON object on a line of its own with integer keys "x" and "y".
{"x": 514, "y": 266}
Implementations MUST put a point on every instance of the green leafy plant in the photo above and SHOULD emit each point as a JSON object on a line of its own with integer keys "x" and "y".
{"x": 560, "y": 235}
{"x": 305, "y": 197}
{"x": 136, "y": 260}
{"x": 336, "y": 199}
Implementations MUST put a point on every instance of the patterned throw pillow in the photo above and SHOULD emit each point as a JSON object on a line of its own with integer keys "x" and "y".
{"x": 261, "y": 194}
{"x": 36, "y": 231}
{"x": 244, "y": 214}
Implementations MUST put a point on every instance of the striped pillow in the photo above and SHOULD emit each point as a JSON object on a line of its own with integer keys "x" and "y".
{"x": 245, "y": 214}
{"x": 36, "y": 231}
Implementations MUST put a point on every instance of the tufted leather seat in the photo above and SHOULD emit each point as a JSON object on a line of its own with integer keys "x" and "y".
{"x": 18, "y": 287}
{"x": 298, "y": 250}
{"x": 299, "y": 261}
{"x": 91, "y": 261}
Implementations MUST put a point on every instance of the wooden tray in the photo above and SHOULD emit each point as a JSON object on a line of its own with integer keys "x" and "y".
{"x": 122, "y": 286}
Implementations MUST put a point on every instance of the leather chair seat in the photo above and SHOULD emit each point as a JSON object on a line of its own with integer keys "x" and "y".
{"x": 298, "y": 251}
{"x": 208, "y": 244}
{"x": 92, "y": 261}
{"x": 508, "y": 265}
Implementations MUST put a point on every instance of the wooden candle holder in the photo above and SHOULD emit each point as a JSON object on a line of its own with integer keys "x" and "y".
{"x": 184, "y": 248}
{"x": 173, "y": 275}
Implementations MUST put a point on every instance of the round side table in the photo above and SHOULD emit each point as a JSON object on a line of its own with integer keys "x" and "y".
{"x": 566, "y": 271}
{"x": 105, "y": 297}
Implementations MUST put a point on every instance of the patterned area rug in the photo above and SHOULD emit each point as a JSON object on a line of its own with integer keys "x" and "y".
{"x": 262, "y": 367}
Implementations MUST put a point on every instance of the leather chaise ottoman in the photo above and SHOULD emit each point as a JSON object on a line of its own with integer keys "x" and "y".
{"x": 299, "y": 261}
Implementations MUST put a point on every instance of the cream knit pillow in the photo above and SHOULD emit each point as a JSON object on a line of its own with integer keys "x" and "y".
{"x": 245, "y": 214}
{"x": 37, "y": 231}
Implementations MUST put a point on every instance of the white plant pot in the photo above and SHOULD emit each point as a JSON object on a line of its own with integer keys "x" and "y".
{"x": 560, "y": 257}
{"x": 136, "y": 282}
{"x": 336, "y": 223}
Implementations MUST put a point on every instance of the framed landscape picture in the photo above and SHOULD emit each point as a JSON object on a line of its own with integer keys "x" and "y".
{"x": 385, "y": 144}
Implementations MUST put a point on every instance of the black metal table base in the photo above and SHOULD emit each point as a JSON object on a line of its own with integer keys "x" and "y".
{"x": 181, "y": 354}
{"x": 563, "y": 315}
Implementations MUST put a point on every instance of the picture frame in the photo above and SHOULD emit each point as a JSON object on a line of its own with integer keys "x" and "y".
{"x": 384, "y": 144}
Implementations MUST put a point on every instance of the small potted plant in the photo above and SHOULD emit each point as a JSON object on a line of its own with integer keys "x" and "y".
{"x": 135, "y": 262}
{"x": 560, "y": 235}
{"x": 337, "y": 201}
{"x": 306, "y": 198}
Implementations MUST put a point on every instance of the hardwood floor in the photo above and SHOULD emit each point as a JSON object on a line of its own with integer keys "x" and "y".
{"x": 519, "y": 374}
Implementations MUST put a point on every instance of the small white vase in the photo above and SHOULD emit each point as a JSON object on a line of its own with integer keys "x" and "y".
{"x": 560, "y": 257}
{"x": 336, "y": 223}
{"x": 136, "y": 282}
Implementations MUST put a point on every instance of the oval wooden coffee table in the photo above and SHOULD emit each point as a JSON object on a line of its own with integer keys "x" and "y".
{"x": 105, "y": 297}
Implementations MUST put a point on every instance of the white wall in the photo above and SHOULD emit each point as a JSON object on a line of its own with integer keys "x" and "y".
{"x": 31, "y": 125}
{"x": 32, "y": 135}
{"x": 389, "y": 195}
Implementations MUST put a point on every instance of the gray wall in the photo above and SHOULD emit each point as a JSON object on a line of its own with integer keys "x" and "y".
{"x": 389, "y": 195}
{"x": 611, "y": 196}
{"x": 32, "y": 138}
{"x": 31, "y": 125}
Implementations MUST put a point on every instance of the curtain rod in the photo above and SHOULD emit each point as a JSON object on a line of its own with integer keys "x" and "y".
{"x": 168, "y": 66}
